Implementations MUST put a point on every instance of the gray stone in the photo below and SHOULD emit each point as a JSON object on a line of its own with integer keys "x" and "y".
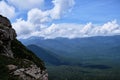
{"x": 7, "y": 34}
{"x": 31, "y": 73}
{"x": 11, "y": 67}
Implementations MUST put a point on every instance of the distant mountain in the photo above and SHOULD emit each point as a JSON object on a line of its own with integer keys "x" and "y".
{"x": 64, "y": 46}
{"x": 46, "y": 55}
{"x": 91, "y": 58}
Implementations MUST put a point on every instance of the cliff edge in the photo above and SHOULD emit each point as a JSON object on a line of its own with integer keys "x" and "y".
{"x": 16, "y": 61}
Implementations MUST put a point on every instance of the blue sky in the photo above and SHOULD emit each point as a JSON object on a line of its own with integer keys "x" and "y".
{"x": 45, "y": 18}
{"x": 97, "y": 11}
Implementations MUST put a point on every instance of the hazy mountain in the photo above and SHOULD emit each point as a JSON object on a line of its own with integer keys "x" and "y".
{"x": 46, "y": 55}
{"x": 77, "y": 46}
{"x": 88, "y": 58}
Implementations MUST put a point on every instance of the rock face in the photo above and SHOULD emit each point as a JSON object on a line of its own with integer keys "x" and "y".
{"x": 21, "y": 63}
{"x": 33, "y": 71}
{"x": 7, "y": 34}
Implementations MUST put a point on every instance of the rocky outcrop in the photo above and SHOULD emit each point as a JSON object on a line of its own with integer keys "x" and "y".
{"x": 7, "y": 34}
{"x": 32, "y": 72}
{"x": 22, "y": 63}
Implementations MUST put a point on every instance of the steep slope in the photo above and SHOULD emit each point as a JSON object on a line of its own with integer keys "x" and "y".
{"x": 16, "y": 61}
{"x": 46, "y": 55}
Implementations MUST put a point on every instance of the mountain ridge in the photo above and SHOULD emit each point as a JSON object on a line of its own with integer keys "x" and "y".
{"x": 65, "y": 44}
{"x": 96, "y": 57}
{"x": 46, "y": 55}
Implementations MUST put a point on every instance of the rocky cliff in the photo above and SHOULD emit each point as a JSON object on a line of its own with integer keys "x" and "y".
{"x": 16, "y": 61}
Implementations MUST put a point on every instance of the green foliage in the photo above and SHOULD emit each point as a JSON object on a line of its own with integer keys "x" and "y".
{"x": 46, "y": 55}
{"x": 22, "y": 58}
{"x": 79, "y": 73}
{"x": 21, "y": 52}
{"x": 3, "y": 72}
{"x": 4, "y": 61}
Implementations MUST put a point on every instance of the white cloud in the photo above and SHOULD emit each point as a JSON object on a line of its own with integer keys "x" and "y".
{"x": 36, "y": 19}
{"x": 78, "y": 30}
{"x": 68, "y": 30}
{"x": 7, "y": 10}
{"x": 110, "y": 27}
{"x": 37, "y": 16}
{"x": 60, "y": 7}
{"x": 26, "y": 4}
{"x": 23, "y": 28}
{"x": 26, "y": 29}
{"x": 87, "y": 28}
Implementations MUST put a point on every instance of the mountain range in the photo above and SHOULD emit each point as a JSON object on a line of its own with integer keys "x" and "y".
{"x": 90, "y": 58}
{"x": 78, "y": 48}
{"x": 46, "y": 55}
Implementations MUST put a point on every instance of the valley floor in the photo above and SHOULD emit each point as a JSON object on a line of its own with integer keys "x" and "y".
{"x": 65, "y": 72}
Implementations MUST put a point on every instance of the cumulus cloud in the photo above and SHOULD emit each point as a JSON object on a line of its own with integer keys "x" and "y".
{"x": 60, "y": 7}
{"x": 36, "y": 15}
{"x": 37, "y": 18}
{"x": 26, "y": 29}
{"x": 110, "y": 27}
{"x": 78, "y": 30}
{"x": 7, "y": 10}
{"x": 23, "y": 28}
{"x": 70, "y": 31}
{"x": 26, "y": 4}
